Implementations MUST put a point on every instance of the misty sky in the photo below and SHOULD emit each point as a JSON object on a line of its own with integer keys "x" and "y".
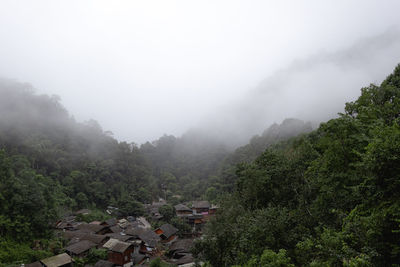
{"x": 145, "y": 68}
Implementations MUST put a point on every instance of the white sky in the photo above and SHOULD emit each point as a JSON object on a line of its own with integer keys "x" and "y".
{"x": 145, "y": 68}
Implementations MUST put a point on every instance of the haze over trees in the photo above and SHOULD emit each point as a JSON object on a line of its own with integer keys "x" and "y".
{"x": 291, "y": 196}
{"x": 328, "y": 198}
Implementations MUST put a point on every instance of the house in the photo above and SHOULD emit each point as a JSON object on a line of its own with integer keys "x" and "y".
{"x": 103, "y": 263}
{"x": 94, "y": 228}
{"x": 139, "y": 259}
{"x": 61, "y": 260}
{"x": 76, "y": 236}
{"x": 167, "y": 232}
{"x": 149, "y": 241}
{"x": 123, "y": 223}
{"x": 186, "y": 260}
{"x": 135, "y": 231}
{"x": 182, "y": 210}
{"x": 110, "y": 243}
{"x": 116, "y": 229}
{"x": 73, "y": 234}
{"x": 80, "y": 249}
{"x": 200, "y": 207}
{"x": 110, "y": 222}
{"x": 120, "y": 237}
{"x": 153, "y": 209}
{"x": 180, "y": 248}
{"x": 195, "y": 219}
{"x": 120, "y": 252}
{"x": 142, "y": 222}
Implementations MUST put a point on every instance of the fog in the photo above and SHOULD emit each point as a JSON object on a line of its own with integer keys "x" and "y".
{"x": 229, "y": 68}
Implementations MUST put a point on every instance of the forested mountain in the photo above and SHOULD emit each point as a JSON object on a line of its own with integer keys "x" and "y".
{"x": 328, "y": 198}
{"x": 196, "y": 163}
{"x": 293, "y": 196}
{"x": 51, "y": 164}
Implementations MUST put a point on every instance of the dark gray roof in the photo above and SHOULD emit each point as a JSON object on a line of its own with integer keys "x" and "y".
{"x": 137, "y": 257}
{"x": 120, "y": 237}
{"x": 135, "y": 231}
{"x": 74, "y": 234}
{"x": 121, "y": 246}
{"x": 188, "y": 258}
{"x": 116, "y": 229}
{"x": 111, "y": 222}
{"x": 181, "y": 207}
{"x": 103, "y": 263}
{"x": 91, "y": 228}
{"x": 80, "y": 247}
{"x": 95, "y": 238}
{"x": 150, "y": 238}
{"x": 181, "y": 245}
{"x": 168, "y": 230}
{"x": 80, "y": 235}
{"x": 201, "y": 204}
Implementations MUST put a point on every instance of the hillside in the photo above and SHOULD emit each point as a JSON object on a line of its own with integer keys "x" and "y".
{"x": 328, "y": 198}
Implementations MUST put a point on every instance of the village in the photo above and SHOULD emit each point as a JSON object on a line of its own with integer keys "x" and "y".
{"x": 131, "y": 241}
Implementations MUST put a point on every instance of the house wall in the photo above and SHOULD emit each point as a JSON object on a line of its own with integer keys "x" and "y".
{"x": 120, "y": 258}
{"x": 200, "y": 210}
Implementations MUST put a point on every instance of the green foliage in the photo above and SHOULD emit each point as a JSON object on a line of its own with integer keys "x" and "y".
{"x": 167, "y": 211}
{"x": 329, "y": 198}
{"x": 94, "y": 215}
{"x": 12, "y": 252}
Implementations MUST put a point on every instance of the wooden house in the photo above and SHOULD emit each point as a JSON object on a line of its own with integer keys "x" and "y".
{"x": 182, "y": 210}
{"x": 80, "y": 248}
{"x": 167, "y": 232}
{"x": 201, "y": 207}
{"x": 120, "y": 253}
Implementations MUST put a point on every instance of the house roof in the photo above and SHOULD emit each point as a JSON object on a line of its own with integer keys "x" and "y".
{"x": 103, "y": 263}
{"x": 80, "y": 247}
{"x": 168, "y": 230}
{"x": 110, "y": 243}
{"x": 137, "y": 258}
{"x": 97, "y": 239}
{"x": 150, "y": 238}
{"x": 116, "y": 229}
{"x": 182, "y": 245}
{"x": 188, "y": 258}
{"x": 117, "y": 245}
{"x": 120, "y": 237}
{"x": 79, "y": 235}
{"x": 144, "y": 222}
{"x": 94, "y": 228}
{"x": 73, "y": 234}
{"x": 203, "y": 204}
{"x": 181, "y": 207}
{"x": 120, "y": 246}
{"x": 57, "y": 260}
{"x": 111, "y": 222}
{"x": 135, "y": 231}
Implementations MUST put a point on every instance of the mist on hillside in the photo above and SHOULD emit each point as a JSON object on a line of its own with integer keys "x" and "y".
{"x": 313, "y": 89}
